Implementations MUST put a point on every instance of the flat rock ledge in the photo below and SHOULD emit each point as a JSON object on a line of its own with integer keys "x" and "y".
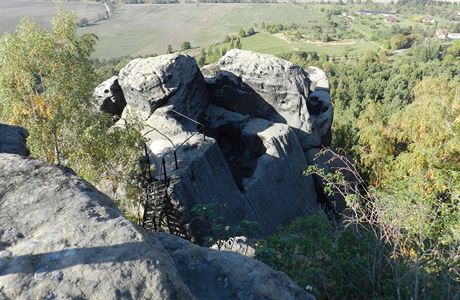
{"x": 60, "y": 238}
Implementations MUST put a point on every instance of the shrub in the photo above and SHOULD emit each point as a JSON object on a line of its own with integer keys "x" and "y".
{"x": 185, "y": 46}
{"x": 400, "y": 41}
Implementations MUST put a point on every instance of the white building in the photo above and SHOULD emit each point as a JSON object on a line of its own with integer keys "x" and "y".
{"x": 454, "y": 36}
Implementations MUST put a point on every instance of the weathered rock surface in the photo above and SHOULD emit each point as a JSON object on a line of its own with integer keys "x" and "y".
{"x": 60, "y": 238}
{"x": 277, "y": 183}
{"x": 318, "y": 79}
{"x": 320, "y": 106}
{"x": 109, "y": 97}
{"x": 264, "y": 86}
{"x": 253, "y": 171}
{"x": 237, "y": 244}
{"x": 173, "y": 79}
{"x": 13, "y": 140}
{"x": 260, "y": 115}
{"x": 226, "y": 275}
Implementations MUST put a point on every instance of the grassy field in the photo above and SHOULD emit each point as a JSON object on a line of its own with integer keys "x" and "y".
{"x": 11, "y": 11}
{"x": 147, "y": 29}
{"x": 272, "y": 44}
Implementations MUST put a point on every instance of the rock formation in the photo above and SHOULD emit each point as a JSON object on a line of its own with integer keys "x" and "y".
{"x": 13, "y": 140}
{"x": 164, "y": 81}
{"x": 259, "y": 115}
{"x": 60, "y": 238}
{"x": 109, "y": 97}
{"x": 264, "y": 86}
{"x": 227, "y": 275}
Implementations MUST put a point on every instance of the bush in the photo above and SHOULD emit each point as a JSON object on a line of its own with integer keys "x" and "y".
{"x": 400, "y": 41}
{"x": 46, "y": 86}
{"x": 185, "y": 46}
{"x": 329, "y": 261}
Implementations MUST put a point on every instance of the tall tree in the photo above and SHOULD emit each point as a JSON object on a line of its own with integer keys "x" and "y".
{"x": 46, "y": 79}
{"x": 46, "y": 85}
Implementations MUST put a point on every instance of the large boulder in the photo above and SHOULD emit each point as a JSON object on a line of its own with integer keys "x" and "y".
{"x": 253, "y": 169}
{"x": 109, "y": 97}
{"x": 277, "y": 183}
{"x": 264, "y": 86}
{"x": 60, "y": 238}
{"x": 227, "y": 275}
{"x": 13, "y": 140}
{"x": 259, "y": 114}
{"x": 318, "y": 79}
{"x": 174, "y": 80}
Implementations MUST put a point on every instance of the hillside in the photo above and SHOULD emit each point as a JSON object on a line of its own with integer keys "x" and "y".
{"x": 329, "y": 165}
{"x": 11, "y": 12}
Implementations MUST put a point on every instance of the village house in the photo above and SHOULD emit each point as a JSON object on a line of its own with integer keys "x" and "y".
{"x": 442, "y": 33}
{"x": 454, "y": 36}
{"x": 390, "y": 19}
{"x": 427, "y": 19}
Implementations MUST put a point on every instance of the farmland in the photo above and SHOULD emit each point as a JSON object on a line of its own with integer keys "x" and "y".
{"x": 272, "y": 44}
{"x": 11, "y": 12}
{"x": 147, "y": 29}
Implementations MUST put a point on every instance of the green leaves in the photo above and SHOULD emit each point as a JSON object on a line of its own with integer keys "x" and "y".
{"x": 46, "y": 86}
{"x": 45, "y": 82}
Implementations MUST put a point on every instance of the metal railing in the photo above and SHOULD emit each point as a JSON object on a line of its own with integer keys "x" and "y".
{"x": 158, "y": 206}
{"x": 200, "y": 129}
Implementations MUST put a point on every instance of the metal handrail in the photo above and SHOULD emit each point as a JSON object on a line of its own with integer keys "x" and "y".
{"x": 201, "y": 128}
{"x": 165, "y": 183}
{"x": 164, "y": 135}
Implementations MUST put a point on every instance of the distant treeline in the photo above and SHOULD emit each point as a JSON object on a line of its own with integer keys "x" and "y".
{"x": 193, "y": 1}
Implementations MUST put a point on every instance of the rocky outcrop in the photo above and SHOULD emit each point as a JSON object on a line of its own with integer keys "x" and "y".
{"x": 60, "y": 238}
{"x": 259, "y": 114}
{"x": 226, "y": 275}
{"x": 237, "y": 244}
{"x": 271, "y": 88}
{"x": 13, "y": 140}
{"x": 169, "y": 80}
{"x": 109, "y": 97}
{"x": 318, "y": 79}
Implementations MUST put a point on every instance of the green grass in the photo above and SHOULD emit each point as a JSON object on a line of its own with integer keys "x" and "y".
{"x": 267, "y": 43}
{"x": 146, "y": 29}
{"x": 247, "y": 15}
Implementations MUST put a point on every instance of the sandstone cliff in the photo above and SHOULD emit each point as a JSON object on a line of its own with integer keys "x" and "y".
{"x": 259, "y": 116}
{"x": 60, "y": 238}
